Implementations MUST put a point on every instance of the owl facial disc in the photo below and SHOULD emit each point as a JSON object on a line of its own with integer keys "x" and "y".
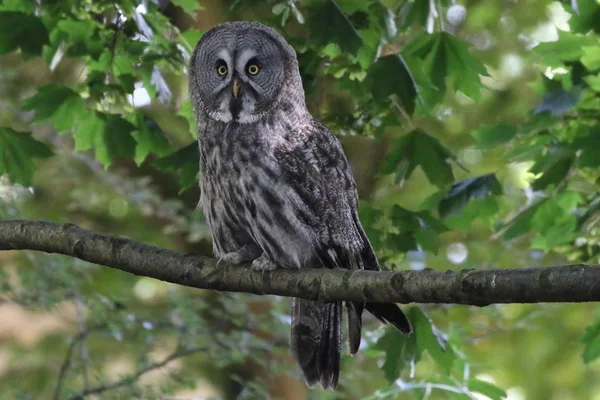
{"x": 241, "y": 71}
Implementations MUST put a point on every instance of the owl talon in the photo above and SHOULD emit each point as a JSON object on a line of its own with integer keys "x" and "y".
{"x": 263, "y": 264}
{"x": 244, "y": 254}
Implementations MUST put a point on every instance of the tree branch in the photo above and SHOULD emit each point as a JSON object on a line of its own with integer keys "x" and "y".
{"x": 80, "y": 337}
{"x": 568, "y": 283}
{"x": 128, "y": 380}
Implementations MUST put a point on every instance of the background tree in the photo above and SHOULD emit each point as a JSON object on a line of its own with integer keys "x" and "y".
{"x": 474, "y": 132}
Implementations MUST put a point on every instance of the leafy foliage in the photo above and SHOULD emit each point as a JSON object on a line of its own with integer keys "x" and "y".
{"x": 22, "y": 31}
{"x": 418, "y": 148}
{"x": 447, "y": 62}
{"x": 473, "y": 130}
{"x": 401, "y": 350}
{"x": 591, "y": 338}
{"x": 185, "y": 161}
{"x": 17, "y": 151}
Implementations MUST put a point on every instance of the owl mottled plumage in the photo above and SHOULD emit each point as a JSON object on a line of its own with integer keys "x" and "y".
{"x": 276, "y": 186}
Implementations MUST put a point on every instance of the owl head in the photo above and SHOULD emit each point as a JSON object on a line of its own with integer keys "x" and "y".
{"x": 241, "y": 71}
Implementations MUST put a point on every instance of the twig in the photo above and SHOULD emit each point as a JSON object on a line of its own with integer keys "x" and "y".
{"x": 132, "y": 378}
{"x": 83, "y": 349}
{"x": 67, "y": 361}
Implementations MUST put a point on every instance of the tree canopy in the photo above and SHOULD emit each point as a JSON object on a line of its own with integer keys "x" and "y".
{"x": 473, "y": 129}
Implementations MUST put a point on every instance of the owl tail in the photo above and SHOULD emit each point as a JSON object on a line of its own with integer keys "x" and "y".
{"x": 390, "y": 313}
{"x": 317, "y": 340}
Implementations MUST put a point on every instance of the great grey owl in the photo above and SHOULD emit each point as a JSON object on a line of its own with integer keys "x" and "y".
{"x": 277, "y": 189}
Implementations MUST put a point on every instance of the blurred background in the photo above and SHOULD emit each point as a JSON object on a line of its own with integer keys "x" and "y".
{"x": 473, "y": 129}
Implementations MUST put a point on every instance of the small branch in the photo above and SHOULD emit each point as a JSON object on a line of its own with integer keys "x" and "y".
{"x": 567, "y": 283}
{"x": 128, "y": 380}
{"x": 81, "y": 336}
{"x": 83, "y": 349}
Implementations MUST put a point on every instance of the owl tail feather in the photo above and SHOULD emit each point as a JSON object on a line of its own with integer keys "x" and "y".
{"x": 317, "y": 340}
{"x": 355, "y": 310}
{"x": 392, "y": 314}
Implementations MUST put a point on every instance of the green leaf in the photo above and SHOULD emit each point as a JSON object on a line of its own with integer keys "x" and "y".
{"x": 415, "y": 228}
{"x": 492, "y": 136}
{"x": 554, "y": 222}
{"x": 349, "y": 7}
{"x": 149, "y": 140}
{"x": 191, "y": 7}
{"x": 369, "y": 216}
{"x": 185, "y": 161}
{"x": 279, "y": 8}
{"x": 431, "y": 340}
{"x": 482, "y": 210}
{"x": 591, "y": 339}
{"x": 490, "y": 390}
{"x": 553, "y": 166}
{"x": 401, "y": 242}
{"x": 464, "y": 191}
{"x": 388, "y": 76}
{"x": 22, "y": 30}
{"x": 88, "y": 130}
{"x": 591, "y": 57}
{"x": 400, "y": 351}
{"x": 109, "y": 135}
{"x": 585, "y": 16}
{"x": 591, "y": 332}
{"x": 594, "y": 82}
{"x": 187, "y": 112}
{"x": 81, "y": 36}
{"x": 117, "y": 140}
{"x": 413, "y": 13}
{"x": 530, "y": 148}
{"x": 121, "y": 65}
{"x": 592, "y": 350}
{"x": 17, "y": 151}
{"x": 588, "y": 148}
{"x": 408, "y": 221}
{"x": 27, "y": 6}
{"x": 418, "y": 148}
{"x": 192, "y": 36}
{"x": 568, "y": 47}
{"x": 428, "y": 240}
{"x": 57, "y": 103}
{"x": 521, "y": 223}
{"x": 447, "y": 62}
{"x": 327, "y": 23}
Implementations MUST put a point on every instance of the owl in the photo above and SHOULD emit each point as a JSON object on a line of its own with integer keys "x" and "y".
{"x": 276, "y": 187}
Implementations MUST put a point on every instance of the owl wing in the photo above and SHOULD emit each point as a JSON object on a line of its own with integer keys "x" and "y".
{"x": 318, "y": 172}
{"x": 315, "y": 167}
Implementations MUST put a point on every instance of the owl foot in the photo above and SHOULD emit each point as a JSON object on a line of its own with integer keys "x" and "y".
{"x": 245, "y": 254}
{"x": 263, "y": 264}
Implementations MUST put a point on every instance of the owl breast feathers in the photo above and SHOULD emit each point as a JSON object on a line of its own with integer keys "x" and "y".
{"x": 277, "y": 189}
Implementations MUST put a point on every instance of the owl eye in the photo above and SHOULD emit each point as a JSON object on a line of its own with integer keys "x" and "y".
{"x": 222, "y": 69}
{"x": 253, "y": 69}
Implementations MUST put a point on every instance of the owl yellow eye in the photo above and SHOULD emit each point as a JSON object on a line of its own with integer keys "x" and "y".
{"x": 222, "y": 70}
{"x": 253, "y": 69}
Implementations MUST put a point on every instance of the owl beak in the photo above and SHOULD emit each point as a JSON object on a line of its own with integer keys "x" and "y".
{"x": 236, "y": 87}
